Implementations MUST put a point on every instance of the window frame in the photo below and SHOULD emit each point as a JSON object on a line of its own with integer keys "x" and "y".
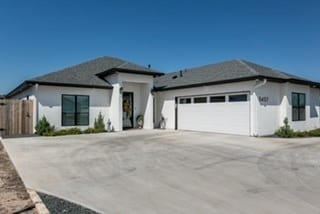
{"x": 76, "y": 113}
{"x": 217, "y": 101}
{"x": 237, "y": 101}
{"x": 200, "y": 97}
{"x": 298, "y": 107}
{"x": 185, "y": 98}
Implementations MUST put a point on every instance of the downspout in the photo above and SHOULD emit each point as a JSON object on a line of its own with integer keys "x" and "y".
{"x": 254, "y": 106}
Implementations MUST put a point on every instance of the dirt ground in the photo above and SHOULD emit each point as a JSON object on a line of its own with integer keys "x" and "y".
{"x": 13, "y": 195}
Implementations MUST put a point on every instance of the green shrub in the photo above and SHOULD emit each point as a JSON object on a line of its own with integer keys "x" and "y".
{"x": 285, "y": 131}
{"x": 315, "y": 133}
{"x": 301, "y": 134}
{"x": 99, "y": 123}
{"x": 72, "y": 131}
{"x": 43, "y": 127}
{"x": 89, "y": 131}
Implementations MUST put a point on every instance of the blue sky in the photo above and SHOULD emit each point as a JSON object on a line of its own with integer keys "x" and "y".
{"x": 37, "y": 37}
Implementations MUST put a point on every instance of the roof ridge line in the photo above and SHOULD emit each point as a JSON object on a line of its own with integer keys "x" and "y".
{"x": 248, "y": 66}
{"x": 123, "y": 64}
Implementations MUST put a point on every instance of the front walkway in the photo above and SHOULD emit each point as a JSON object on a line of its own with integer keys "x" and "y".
{"x": 174, "y": 172}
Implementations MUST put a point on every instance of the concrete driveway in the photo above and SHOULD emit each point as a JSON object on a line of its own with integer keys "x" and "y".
{"x": 174, "y": 172}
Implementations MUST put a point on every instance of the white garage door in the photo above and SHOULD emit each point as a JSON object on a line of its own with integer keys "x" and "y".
{"x": 215, "y": 113}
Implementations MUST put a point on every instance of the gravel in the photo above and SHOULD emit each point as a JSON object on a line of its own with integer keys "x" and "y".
{"x": 57, "y": 205}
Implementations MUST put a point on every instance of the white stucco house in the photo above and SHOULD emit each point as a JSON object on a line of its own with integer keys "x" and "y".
{"x": 235, "y": 97}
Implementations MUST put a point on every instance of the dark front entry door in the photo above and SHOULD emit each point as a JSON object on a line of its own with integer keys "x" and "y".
{"x": 127, "y": 106}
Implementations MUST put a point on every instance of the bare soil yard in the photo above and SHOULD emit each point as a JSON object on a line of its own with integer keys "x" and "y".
{"x": 13, "y": 195}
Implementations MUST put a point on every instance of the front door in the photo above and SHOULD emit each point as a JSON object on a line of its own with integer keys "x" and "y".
{"x": 127, "y": 106}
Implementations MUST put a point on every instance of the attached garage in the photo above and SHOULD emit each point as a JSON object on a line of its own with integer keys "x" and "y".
{"x": 223, "y": 113}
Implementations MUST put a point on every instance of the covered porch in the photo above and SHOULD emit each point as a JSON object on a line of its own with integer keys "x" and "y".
{"x": 131, "y": 97}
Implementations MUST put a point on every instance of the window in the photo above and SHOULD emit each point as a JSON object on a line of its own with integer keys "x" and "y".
{"x": 298, "y": 107}
{"x": 185, "y": 100}
{"x": 238, "y": 98}
{"x": 218, "y": 99}
{"x": 200, "y": 100}
{"x": 75, "y": 110}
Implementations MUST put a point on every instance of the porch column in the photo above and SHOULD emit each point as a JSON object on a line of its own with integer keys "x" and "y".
{"x": 148, "y": 115}
{"x": 116, "y": 107}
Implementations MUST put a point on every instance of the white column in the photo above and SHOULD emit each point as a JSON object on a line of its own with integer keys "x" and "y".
{"x": 116, "y": 108}
{"x": 148, "y": 115}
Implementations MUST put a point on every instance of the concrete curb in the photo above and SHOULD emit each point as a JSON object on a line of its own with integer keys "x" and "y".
{"x": 40, "y": 206}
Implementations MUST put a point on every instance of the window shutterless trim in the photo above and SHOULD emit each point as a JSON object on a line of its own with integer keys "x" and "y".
{"x": 75, "y": 122}
{"x": 301, "y": 117}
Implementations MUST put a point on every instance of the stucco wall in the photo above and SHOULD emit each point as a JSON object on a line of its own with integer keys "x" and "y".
{"x": 267, "y": 108}
{"x": 50, "y": 97}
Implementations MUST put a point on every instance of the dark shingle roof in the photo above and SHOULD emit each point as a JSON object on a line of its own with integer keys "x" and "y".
{"x": 229, "y": 71}
{"x": 86, "y": 74}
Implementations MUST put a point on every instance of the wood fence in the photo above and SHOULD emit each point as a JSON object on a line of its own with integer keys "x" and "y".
{"x": 16, "y": 117}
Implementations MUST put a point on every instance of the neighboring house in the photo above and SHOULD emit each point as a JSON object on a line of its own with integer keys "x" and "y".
{"x": 236, "y": 97}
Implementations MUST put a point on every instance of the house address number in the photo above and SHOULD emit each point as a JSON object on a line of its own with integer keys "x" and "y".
{"x": 263, "y": 100}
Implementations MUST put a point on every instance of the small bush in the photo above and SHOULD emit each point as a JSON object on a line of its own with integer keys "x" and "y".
{"x": 285, "y": 131}
{"x": 61, "y": 132}
{"x": 315, "y": 133}
{"x": 43, "y": 127}
{"x": 89, "y": 131}
{"x": 301, "y": 134}
{"x": 99, "y": 123}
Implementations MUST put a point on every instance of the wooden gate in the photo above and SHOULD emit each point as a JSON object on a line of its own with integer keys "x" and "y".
{"x": 16, "y": 117}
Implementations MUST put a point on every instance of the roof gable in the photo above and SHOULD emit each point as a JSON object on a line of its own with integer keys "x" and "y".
{"x": 87, "y": 73}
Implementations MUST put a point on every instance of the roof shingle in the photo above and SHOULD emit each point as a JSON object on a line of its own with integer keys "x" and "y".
{"x": 87, "y": 73}
{"x": 221, "y": 72}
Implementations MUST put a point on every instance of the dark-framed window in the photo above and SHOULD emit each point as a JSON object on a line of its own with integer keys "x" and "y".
{"x": 75, "y": 110}
{"x": 238, "y": 98}
{"x": 298, "y": 107}
{"x": 217, "y": 99}
{"x": 200, "y": 100}
{"x": 184, "y": 100}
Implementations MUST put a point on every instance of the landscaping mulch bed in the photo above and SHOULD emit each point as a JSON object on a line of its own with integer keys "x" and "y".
{"x": 59, "y": 206}
{"x": 14, "y": 197}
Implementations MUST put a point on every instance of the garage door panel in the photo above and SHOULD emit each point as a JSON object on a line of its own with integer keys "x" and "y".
{"x": 215, "y": 117}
